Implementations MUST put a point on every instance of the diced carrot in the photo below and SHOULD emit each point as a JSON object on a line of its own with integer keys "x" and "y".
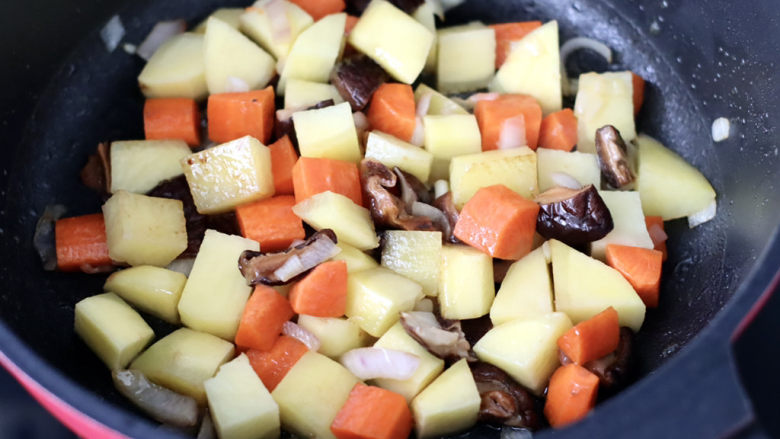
{"x": 264, "y": 314}
{"x": 392, "y": 110}
{"x": 273, "y": 365}
{"x": 312, "y": 176}
{"x": 271, "y": 222}
{"x": 641, "y": 267}
{"x": 639, "y": 91}
{"x": 657, "y": 223}
{"x": 81, "y": 243}
{"x": 323, "y": 292}
{"x": 373, "y": 413}
{"x": 559, "y": 130}
{"x": 499, "y": 222}
{"x": 320, "y": 8}
{"x": 508, "y": 33}
{"x": 172, "y": 118}
{"x": 491, "y": 116}
{"x": 592, "y": 339}
{"x": 351, "y": 22}
{"x": 234, "y": 115}
{"x": 571, "y": 394}
{"x": 283, "y": 158}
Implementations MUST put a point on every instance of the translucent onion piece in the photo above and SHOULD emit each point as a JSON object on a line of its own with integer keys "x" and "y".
{"x": 578, "y": 43}
{"x": 162, "y": 404}
{"x": 565, "y": 180}
{"x": 512, "y": 133}
{"x": 371, "y": 363}
{"x": 437, "y": 216}
{"x": 280, "y": 24}
{"x": 703, "y": 215}
{"x": 236, "y": 85}
{"x": 183, "y": 266}
{"x": 161, "y": 32}
{"x": 418, "y": 137}
{"x": 294, "y": 330}
{"x": 424, "y": 104}
{"x": 440, "y": 188}
{"x": 424, "y": 305}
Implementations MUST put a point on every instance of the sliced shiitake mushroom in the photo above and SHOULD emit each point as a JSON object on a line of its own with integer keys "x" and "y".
{"x": 504, "y": 401}
{"x": 357, "y": 78}
{"x": 613, "y": 158}
{"x": 443, "y": 338}
{"x": 573, "y": 216}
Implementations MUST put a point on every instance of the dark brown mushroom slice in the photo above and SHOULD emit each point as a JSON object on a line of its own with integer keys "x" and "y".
{"x": 96, "y": 174}
{"x": 475, "y": 329}
{"x": 357, "y": 78}
{"x": 613, "y": 159}
{"x": 614, "y": 370}
{"x": 503, "y": 400}
{"x": 447, "y": 205}
{"x": 411, "y": 185}
{"x": 573, "y": 216}
{"x": 446, "y": 341}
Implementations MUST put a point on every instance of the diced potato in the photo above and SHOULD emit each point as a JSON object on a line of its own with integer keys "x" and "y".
{"x": 467, "y": 58}
{"x": 230, "y": 174}
{"x": 183, "y": 360}
{"x": 440, "y": 105}
{"x": 415, "y": 255}
{"x": 430, "y": 367}
{"x": 668, "y": 186}
{"x": 604, "y": 99}
{"x": 336, "y": 336}
{"x": 466, "y": 288}
{"x": 629, "y": 220}
{"x": 176, "y": 70}
{"x": 256, "y": 23}
{"x": 215, "y": 294}
{"x": 582, "y": 166}
{"x": 514, "y": 168}
{"x": 153, "y": 290}
{"x": 311, "y": 394}
{"x": 450, "y": 136}
{"x": 229, "y": 55}
{"x": 139, "y": 165}
{"x": 585, "y": 286}
{"x": 328, "y": 133}
{"x": 304, "y": 94}
{"x": 239, "y": 403}
{"x": 533, "y": 67}
{"x": 450, "y": 404}
{"x": 231, "y": 16}
{"x": 425, "y": 15}
{"x": 115, "y": 332}
{"x": 352, "y": 223}
{"x": 143, "y": 230}
{"x": 526, "y": 291}
{"x": 392, "y": 151}
{"x": 376, "y": 297}
{"x": 356, "y": 260}
{"x": 402, "y": 45}
{"x": 314, "y": 52}
{"x": 526, "y": 349}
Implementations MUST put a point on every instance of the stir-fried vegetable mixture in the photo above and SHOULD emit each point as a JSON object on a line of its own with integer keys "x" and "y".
{"x": 352, "y": 253}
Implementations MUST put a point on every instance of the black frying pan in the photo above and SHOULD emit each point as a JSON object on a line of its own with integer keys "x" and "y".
{"x": 63, "y": 92}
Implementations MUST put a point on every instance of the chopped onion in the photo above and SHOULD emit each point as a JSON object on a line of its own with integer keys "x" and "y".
{"x": 437, "y": 216}
{"x": 657, "y": 233}
{"x": 361, "y": 121}
{"x": 236, "y": 85}
{"x": 183, "y": 266}
{"x": 408, "y": 195}
{"x": 720, "y": 129}
{"x": 703, "y": 215}
{"x": 578, "y": 43}
{"x": 294, "y": 330}
{"x": 162, "y": 404}
{"x": 563, "y": 179}
{"x": 418, "y": 137}
{"x": 112, "y": 33}
{"x": 280, "y": 24}
{"x": 508, "y": 432}
{"x": 440, "y": 187}
{"x": 547, "y": 252}
{"x": 43, "y": 239}
{"x": 512, "y": 133}
{"x": 161, "y": 32}
{"x": 424, "y": 305}
{"x": 477, "y": 97}
{"x": 207, "y": 430}
{"x": 371, "y": 363}
{"x": 319, "y": 251}
{"x": 424, "y": 104}
{"x": 285, "y": 114}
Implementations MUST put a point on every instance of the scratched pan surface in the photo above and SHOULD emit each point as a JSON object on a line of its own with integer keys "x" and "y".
{"x": 701, "y": 61}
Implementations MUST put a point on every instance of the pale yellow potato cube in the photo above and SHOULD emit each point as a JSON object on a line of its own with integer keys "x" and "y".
{"x": 425, "y": 14}
{"x": 376, "y": 297}
{"x": 176, "y": 70}
{"x": 582, "y": 166}
{"x": 668, "y": 186}
{"x": 514, "y": 168}
{"x": 231, "y": 16}
{"x": 415, "y": 255}
{"x": 467, "y": 58}
{"x": 448, "y": 405}
{"x": 336, "y": 336}
{"x": 466, "y": 288}
{"x": 139, "y": 165}
{"x": 396, "y": 41}
{"x": 585, "y": 287}
{"x": 392, "y": 151}
{"x": 526, "y": 290}
{"x": 239, "y": 403}
{"x": 629, "y": 220}
{"x": 311, "y": 394}
{"x": 314, "y": 52}
{"x": 327, "y": 133}
{"x": 604, "y": 99}
{"x": 356, "y": 260}
{"x": 396, "y": 338}
{"x": 450, "y": 136}
{"x": 216, "y": 292}
{"x": 230, "y": 56}
{"x": 526, "y": 348}
{"x": 439, "y": 105}
{"x": 153, "y": 290}
{"x": 115, "y": 332}
{"x": 230, "y": 174}
{"x": 256, "y": 23}
{"x": 533, "y": 67}
{"x": 183, "y": 360}
{"x": 352, "y": 223}
{"x": 305, "y": 94}
{"x": 142, "y": 230}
